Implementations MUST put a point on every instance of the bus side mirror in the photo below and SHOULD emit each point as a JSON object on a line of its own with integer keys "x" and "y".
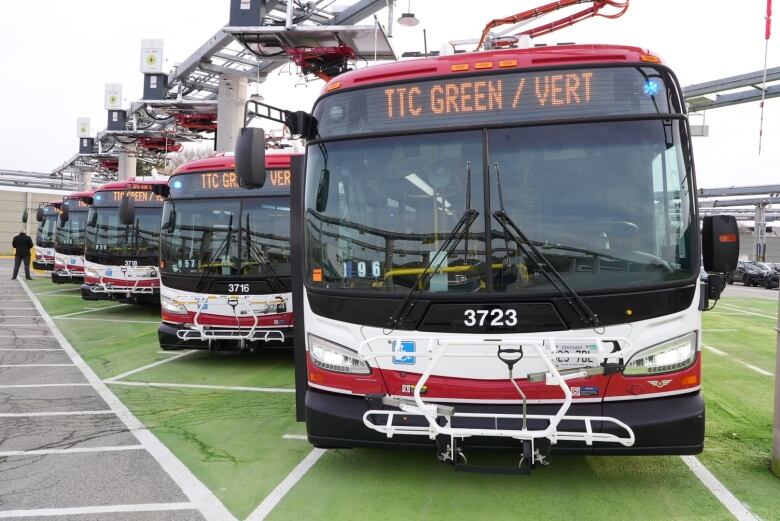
{"x": 127, "y": 210}
{"x": 64, "y": 214}
{"x": 24, "y": 217}
{"x": 39, "y": 215}
{"x": 720, "y": 243}
{"x": 250, "y": 158}
{"x": 168, "y": 218}
{"x": 91, "y": 218}
{"x": 322, "y": 190}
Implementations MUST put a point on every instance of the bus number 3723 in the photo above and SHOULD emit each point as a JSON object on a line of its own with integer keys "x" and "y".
{"x": 493, "y": 317}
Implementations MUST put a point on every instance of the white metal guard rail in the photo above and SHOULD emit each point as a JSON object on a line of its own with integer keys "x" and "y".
{"x": 543, "y": 348}
{"x": 210, "y": 332}
{"x": 135, "y": 289}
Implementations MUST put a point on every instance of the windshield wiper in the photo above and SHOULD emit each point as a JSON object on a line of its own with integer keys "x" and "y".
{"x": 224, "y": 244}
{"x": 265, "y": 261}
{"x": 443, "y": 252}
{"x": 583, "y": 311}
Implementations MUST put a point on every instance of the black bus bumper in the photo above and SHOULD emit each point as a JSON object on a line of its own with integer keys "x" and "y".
{"x": 58, "y": 278}
{"x": 662, "y": 426}
{"x": 169, "y": 340}
{"x": 43, "y": 266}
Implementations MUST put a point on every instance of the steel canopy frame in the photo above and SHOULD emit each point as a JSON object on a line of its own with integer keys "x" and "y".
{"x": 698, "y": 96}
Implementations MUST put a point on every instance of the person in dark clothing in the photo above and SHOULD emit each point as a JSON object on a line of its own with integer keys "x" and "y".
{"x": 23, "y": 244}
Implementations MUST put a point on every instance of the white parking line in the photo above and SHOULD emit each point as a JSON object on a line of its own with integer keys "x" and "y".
{"x": 716, "y": 351}
{"x": 28, "y": 349}
{"x": 26, "y": 336}
{"x": 204, "y": 386}
{"x": 148, "y": 366}
{"x": 748, "y": 312}
{"x": 107, "y": 509}
{"x": 281, "y": 490}
{"x": 756, "y": 369}
{"x": 76, "y": 450}
{"x": 35, "y": 365}
{"x": 60, "y": 413}
{"x": 90, "y": 310}
{"x": 751, "y": 367}
{"x": 202, "y": 498}
{"x": 24, "y": 386}
{"x": 111, "y": 320}
{"x": 721, "y": 493}
{"x": 295, "y": 437}
{"x": 57, "y": 291}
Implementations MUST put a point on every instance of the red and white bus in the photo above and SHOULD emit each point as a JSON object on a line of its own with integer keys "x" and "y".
{"x": 224, "y": 258}
{"x": 121, "y": 259}
{"x": 502, "y": 248}
{"x": 69, "y": 238}
{"x": 46, "y": 216}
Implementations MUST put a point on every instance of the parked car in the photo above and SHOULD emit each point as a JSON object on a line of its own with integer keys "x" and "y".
{"x": 750, "y": 273}
{"x": 772, "y": 276}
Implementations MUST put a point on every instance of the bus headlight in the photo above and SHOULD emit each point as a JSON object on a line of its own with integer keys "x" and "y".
{"x": 672, "y": 355}
{"x": 89, "y": 272}
{"x": 334, "y": 357}
{"x": 172, "y": 307}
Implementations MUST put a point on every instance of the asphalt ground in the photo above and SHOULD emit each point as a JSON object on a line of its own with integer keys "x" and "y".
{"x": 230, "y": 420}
{"x": 67, "y": 445}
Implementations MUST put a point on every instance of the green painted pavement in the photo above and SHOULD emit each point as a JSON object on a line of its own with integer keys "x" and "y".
{"x": 739, "y": 408}
{"x": 232, "y": 440}
{"x": 271, "y": 368}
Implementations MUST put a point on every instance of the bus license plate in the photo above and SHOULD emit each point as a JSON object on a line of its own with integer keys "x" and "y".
{"x": 569, "y": 356}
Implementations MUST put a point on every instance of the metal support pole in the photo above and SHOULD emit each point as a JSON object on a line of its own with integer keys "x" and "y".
{"x": 775, "y": 464}
{"x": 233, "y": 93}
{"x": 127, "y": 165}
{"x": 28, "y": 227}
{"x": 85, "y": 181}
{"x": 390, "y": 5}
{"x": 290, "y": 11}
{"x": 759, "y": 233}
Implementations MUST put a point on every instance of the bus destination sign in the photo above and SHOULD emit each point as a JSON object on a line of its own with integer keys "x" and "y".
{"x": 513, "y": 97}
{"x": 140, "y": 197}
{"x": 482, "y": 95}
{"x": 217, "y": 184}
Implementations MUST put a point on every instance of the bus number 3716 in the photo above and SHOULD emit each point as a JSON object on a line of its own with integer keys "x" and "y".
{"x": 493, "y": 317}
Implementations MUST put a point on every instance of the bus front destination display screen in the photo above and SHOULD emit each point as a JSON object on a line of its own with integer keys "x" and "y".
{"x": 225, "y": 184}
{"x": 497, "y": 97}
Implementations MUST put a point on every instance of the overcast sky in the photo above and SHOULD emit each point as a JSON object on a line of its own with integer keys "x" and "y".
{"x": 57, "y": 56}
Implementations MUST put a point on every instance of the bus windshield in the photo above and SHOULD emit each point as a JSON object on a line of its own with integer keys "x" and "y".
{"x": 112, "y": 243}
{"x": 228, "y": 237}
{"x": 44, "y": 237}
{"x": 70, "y": 237}
{"x": 608, "y": 203}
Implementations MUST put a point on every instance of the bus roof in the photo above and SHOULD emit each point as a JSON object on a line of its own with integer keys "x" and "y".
{"x": 273, "y": 159}
{"x": 79, "y": 195}
{"x": 530, "y": 58}
{"x": 130, "y": 183}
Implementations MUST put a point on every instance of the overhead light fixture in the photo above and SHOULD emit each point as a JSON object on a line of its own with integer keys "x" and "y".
{"x": 408, "y": 19}
{"x": 419, "y": 183}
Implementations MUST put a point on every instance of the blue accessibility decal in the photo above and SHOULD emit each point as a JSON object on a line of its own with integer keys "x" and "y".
{"x": 109, "y": 273}
{"x": 401, "y": 352}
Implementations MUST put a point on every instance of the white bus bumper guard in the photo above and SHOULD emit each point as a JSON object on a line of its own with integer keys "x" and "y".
{"x": 135, "y": 289}
{"x": 208, "y": 333}
{"x": 440, "y": 417}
